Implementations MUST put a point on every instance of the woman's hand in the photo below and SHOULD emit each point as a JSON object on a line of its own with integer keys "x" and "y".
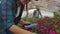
{"x": 22, "y": 22}
{"x": 17, "y": 30}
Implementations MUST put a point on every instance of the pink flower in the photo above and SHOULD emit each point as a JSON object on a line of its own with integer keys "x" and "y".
{"x": 58, "y": 23}
{"x": 41, "y": 30}
{"x": 53, "y": 28}
{"x": 47, "y": 25}
{"x": 40, "y": 23}
{"x": 52, "y": 32}
{"x": 46, "y": 30}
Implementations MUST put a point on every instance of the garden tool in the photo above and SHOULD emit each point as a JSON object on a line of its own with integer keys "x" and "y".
{"x": 32, "y": 25}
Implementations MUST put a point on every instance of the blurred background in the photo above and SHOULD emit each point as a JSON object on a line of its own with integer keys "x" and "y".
{"x": 47, "y": 7}
{"x": 49, "y": 18}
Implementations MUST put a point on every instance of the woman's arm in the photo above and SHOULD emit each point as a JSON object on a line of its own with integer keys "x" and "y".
{"x": 16, "y": 30}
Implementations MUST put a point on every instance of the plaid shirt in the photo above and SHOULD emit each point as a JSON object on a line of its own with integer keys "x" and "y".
{"x": 6, "y": 13}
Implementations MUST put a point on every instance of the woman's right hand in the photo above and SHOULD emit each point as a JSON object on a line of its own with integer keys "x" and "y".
{"x": 17, "y": 30}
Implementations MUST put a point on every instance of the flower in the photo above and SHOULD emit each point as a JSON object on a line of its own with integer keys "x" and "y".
{"x": 47, "y": 25}
{"x": 29, "y": 29}
{"x": 46, "y": 30}
{"x": 41, "y": 30}
{"x": 38, "y": 26}
{"x": 53, "y": 28}
{"x": 40, "y": 23}
{"x": 58, "y": 23}
{"x": 52, "y": 32}
{"x": 44, "y": 19}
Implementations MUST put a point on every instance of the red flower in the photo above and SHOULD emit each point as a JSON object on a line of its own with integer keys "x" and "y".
{"x": 41, "y": 30}
{"x": 38, "y": 26}
{"x": 58, "y": 23}
{"x": 58, "y": 33}
{"x": 47, "y": 25}
{"x": 40, "y": 23}
{"x": 44, "y": 19}
{"x": 46, "y": 30}
{"x": 29, "y": 29}
{"x": 53, "y": 28}
{"x": 52, "y": 32}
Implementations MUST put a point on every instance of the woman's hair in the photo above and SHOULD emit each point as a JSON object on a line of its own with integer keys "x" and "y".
{"x": 28, "y": 0}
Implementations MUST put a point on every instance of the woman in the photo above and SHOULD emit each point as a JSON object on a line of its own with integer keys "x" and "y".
{"x": 7, "y": 25}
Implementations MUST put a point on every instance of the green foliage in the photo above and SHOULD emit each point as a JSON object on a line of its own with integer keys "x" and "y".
{"x": 52, "y": 21}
